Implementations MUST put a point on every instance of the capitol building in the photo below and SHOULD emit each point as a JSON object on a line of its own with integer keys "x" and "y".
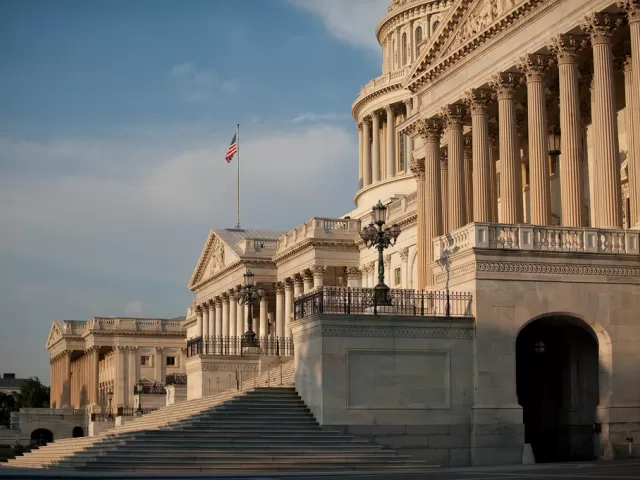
{"x": 500, "y": 138}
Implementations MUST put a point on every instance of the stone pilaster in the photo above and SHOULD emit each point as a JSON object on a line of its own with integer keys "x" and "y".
{"x": 444, "y": 187}
{"x": 632, "y": 9}
{"x": 482, "y": 201}
{"x": 279, "y": 287}
{"x": 360, "y": 160}
{"x": 452, "y": 118}
{"x": 375, "y": 147}
{"x": 510, "y": 177}
{"x": 417, "y": 168}
{"x": 404, "y": 267}
{"x": 566, "y": 48}
{"x": 534, "y": 68}
{"x": 199, "y": 330}
{"x": 630, "y": 131}
{"x": 600, "y": 28}
{"x": 391, "y": 140}
{"x": 468, "y": 179}
{"x": 158, "y": 365}
{"x": 366, "y": 151}
{"x": 431, "y": 132}
{"x": 408, "y": 141}
{"x": 318, "y": 276}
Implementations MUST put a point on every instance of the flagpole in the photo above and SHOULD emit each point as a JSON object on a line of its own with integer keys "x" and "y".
{"x": 238, "y": 180}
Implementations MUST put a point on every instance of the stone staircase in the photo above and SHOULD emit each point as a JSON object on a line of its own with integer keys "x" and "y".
{"x": 260, "y": 428}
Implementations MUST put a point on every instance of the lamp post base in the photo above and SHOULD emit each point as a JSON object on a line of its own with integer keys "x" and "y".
{"x": 249, "y": 343}
{"x": 381, "y": 295}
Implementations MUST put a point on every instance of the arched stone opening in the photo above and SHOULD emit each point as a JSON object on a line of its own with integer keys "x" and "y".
{"x": 41, "y": 436}
{"x": 558, "y": 387}
{"x": 77, "y": 432}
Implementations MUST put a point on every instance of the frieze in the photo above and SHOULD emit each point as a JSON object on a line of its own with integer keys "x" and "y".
{"x": 230, "y": 367}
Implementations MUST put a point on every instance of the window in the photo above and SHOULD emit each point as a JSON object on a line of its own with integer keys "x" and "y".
{"x": 418, "y": 38}
{"x": 553, "y": 164}
{"x": 145, "y": 360}
{"x": 171, "y": 361}
{"x": 401, "y": 153}
{"x": 497, "y": 185}
{"x": 397, "y": 277}
{"x": 435, "y": 26}
{"x": 404, "y": 49}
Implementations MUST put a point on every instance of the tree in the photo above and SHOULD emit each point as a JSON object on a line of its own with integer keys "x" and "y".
{"x": 7, "y": 405}
{"x": 33, "y": 394}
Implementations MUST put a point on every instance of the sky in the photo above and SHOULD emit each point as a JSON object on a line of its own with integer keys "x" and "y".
{"x": 115, "y": 117}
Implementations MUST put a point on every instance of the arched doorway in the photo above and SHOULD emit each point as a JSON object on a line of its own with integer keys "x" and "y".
{"x": 77, "y": 432}
{"x": 558, "y": 389}
{"x": 41, "y": 436}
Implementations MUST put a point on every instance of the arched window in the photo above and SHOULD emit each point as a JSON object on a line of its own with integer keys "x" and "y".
{"x": 435, "y": 26}
{"x": 394, "y": 53}
{"x": 418, "y": 38}
{"x": 404, "y": 49}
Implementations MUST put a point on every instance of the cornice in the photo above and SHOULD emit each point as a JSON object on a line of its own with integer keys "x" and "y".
{"x": 315, "y": 244}
{"x": 408, "y": 12}
{"x": 391, "y": 86}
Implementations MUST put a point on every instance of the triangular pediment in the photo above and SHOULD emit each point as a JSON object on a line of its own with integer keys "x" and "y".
{"x": 215, "y": 255}
{"x": 54, "y": 335}
{"x": 464, "y": 21}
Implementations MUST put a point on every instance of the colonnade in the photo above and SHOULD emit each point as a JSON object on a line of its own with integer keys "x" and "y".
{"x": 377, "y": 164}
{"x": 465, "y": 192}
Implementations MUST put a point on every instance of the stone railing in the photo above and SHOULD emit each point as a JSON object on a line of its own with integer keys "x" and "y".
{"x": 320, "y": 228}
{"x": 253, "y": 245}
{"x": 402, "y": 206}
{"x": 383, "y": 80}
{"x": 52, "y": 411}
{"x": 134, "y": 324}
{"x": 536, "y": 237}
{"x": 75, "y": 327}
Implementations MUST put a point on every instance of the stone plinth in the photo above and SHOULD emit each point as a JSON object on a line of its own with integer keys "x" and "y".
{"x": 176, "y": 394}
{"x": 210, "y": 374}
{"x": 404, "y": 381}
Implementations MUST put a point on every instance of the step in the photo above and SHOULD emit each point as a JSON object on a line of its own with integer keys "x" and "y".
{"x": 274, "y": 452}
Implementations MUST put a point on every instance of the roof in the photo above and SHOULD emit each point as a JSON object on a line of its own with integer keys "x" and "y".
{"x": 11, "y": 383}
{"x": 233, "y": 236}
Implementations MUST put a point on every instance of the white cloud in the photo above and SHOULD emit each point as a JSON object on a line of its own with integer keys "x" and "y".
{"x": 133, "y": 308}
{"x": 201, "y": 85}
{"x": 317, "y": 117}
{"x": 352, "y": 21}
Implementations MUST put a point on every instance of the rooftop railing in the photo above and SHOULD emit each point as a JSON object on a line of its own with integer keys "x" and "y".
{"x": 211, "y": 345}
{"x": 318, "y": 228}
{"x": 366, "y": 301}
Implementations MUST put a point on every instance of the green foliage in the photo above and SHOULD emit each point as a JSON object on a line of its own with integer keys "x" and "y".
{"x": 7, "y": 405}
{"x": 33, "y": 394}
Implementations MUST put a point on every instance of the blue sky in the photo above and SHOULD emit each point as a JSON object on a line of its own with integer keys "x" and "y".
{"x": 114, "y": 120}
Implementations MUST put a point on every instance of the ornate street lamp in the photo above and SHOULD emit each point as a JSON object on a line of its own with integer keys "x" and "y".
{"x": 249, "y": 294}
{"x": 110, "y": 399}
{"x": 381, "y": 239}
{"x": 140, "y": 388}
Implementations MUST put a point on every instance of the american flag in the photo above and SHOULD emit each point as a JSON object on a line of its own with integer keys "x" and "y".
{"x": 233, "y": 149}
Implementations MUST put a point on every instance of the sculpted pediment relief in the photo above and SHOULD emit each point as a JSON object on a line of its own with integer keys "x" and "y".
{"x": 474, "y": 18}
{"x": 214, "y": 257}
{"x": 54, "y": 335}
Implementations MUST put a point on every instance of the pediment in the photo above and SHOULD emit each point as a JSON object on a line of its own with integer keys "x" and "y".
{"x": 54, "y": 335}
{"x": 215, "y": 255}
{"x": 464, "y": 21}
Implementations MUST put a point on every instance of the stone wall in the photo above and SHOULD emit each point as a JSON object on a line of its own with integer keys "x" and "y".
{"x": 210, "y": 374}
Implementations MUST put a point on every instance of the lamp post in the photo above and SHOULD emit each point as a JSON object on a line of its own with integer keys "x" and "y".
{"x": 249, "y": 294}
{"x": 375, "y": 236}
{"x": 140, "y": 387}
{"x": 110, "y": 399}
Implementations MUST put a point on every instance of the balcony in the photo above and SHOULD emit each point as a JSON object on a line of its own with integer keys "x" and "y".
{"x": 319, "y": 228}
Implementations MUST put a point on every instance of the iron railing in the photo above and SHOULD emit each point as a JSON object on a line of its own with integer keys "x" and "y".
{"x": 132, "y": 411}
{"x": 155, "y": 389}
{"x": 176, "y": 379}
{"x": 361, "y": 301}
{"x": 269, "y": 346}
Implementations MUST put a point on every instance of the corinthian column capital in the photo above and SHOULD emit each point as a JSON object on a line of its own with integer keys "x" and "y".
{"x": 477, "y": 100}
{"x": 360, "y": 126}
{"x": 535, "y": 66}
{"x": 453, "y": 115}
{"x": 600, "y": 26}
{"x": 417, "y": 167}
{"x": 504, "y": 84}
{"x": 631, "y": 8}
{"x": 430, "y": 129}
{"x": 567, "y": 47}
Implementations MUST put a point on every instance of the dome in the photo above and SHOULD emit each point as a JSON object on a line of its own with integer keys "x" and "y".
{"x": 396, "y": 4}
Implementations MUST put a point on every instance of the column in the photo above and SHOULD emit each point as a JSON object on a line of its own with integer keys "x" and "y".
{"x": 534, "y": 68}
{"x": 318, "y": 276}
{"x": 510, "y": 176}
{"x": 241, "y": 324}
{"x": 408, "y": 141}
{"x": 566, "y": 47}
{"x": 280, "y": 308}
{"x": 199, "y": 321}
{"x": 263, "y": 327}
{"x": 375, "y": 147}
{"x": 95, "y": 376}
{"x": 225, "y": 316}
{"x": 66, "y": 383}
{"x": 493, "y": 158}
{"x": 118, "y": 394}
{"x": 158, "y": 364}
{"x": 291, "y": 290}
{"x": 444, "y": 187}
{"x": 600, "y": 28}
{"x": 452, "y": 116}
{"x": 404, "y": 267}
{"x": 429, "y": 198}
{"x": 133, "y": 378}
{"x": 308, "y": 281}
{"x": 632, "y": 8}
{"x": 212, "y": 318}
{"x": 391, "y": 140}
{"x": 353, "y": 277}
{"x": 360, "y": 162}
{"x": 233, "y": 313}
{"x": 468, "y": 179}
{"x": 366, "y": 151}
{"x": 482, "y": 202}
{"x": 218, "y": 327}
{"x": 631, "y": 141}
{"x": 205, "y": 325}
